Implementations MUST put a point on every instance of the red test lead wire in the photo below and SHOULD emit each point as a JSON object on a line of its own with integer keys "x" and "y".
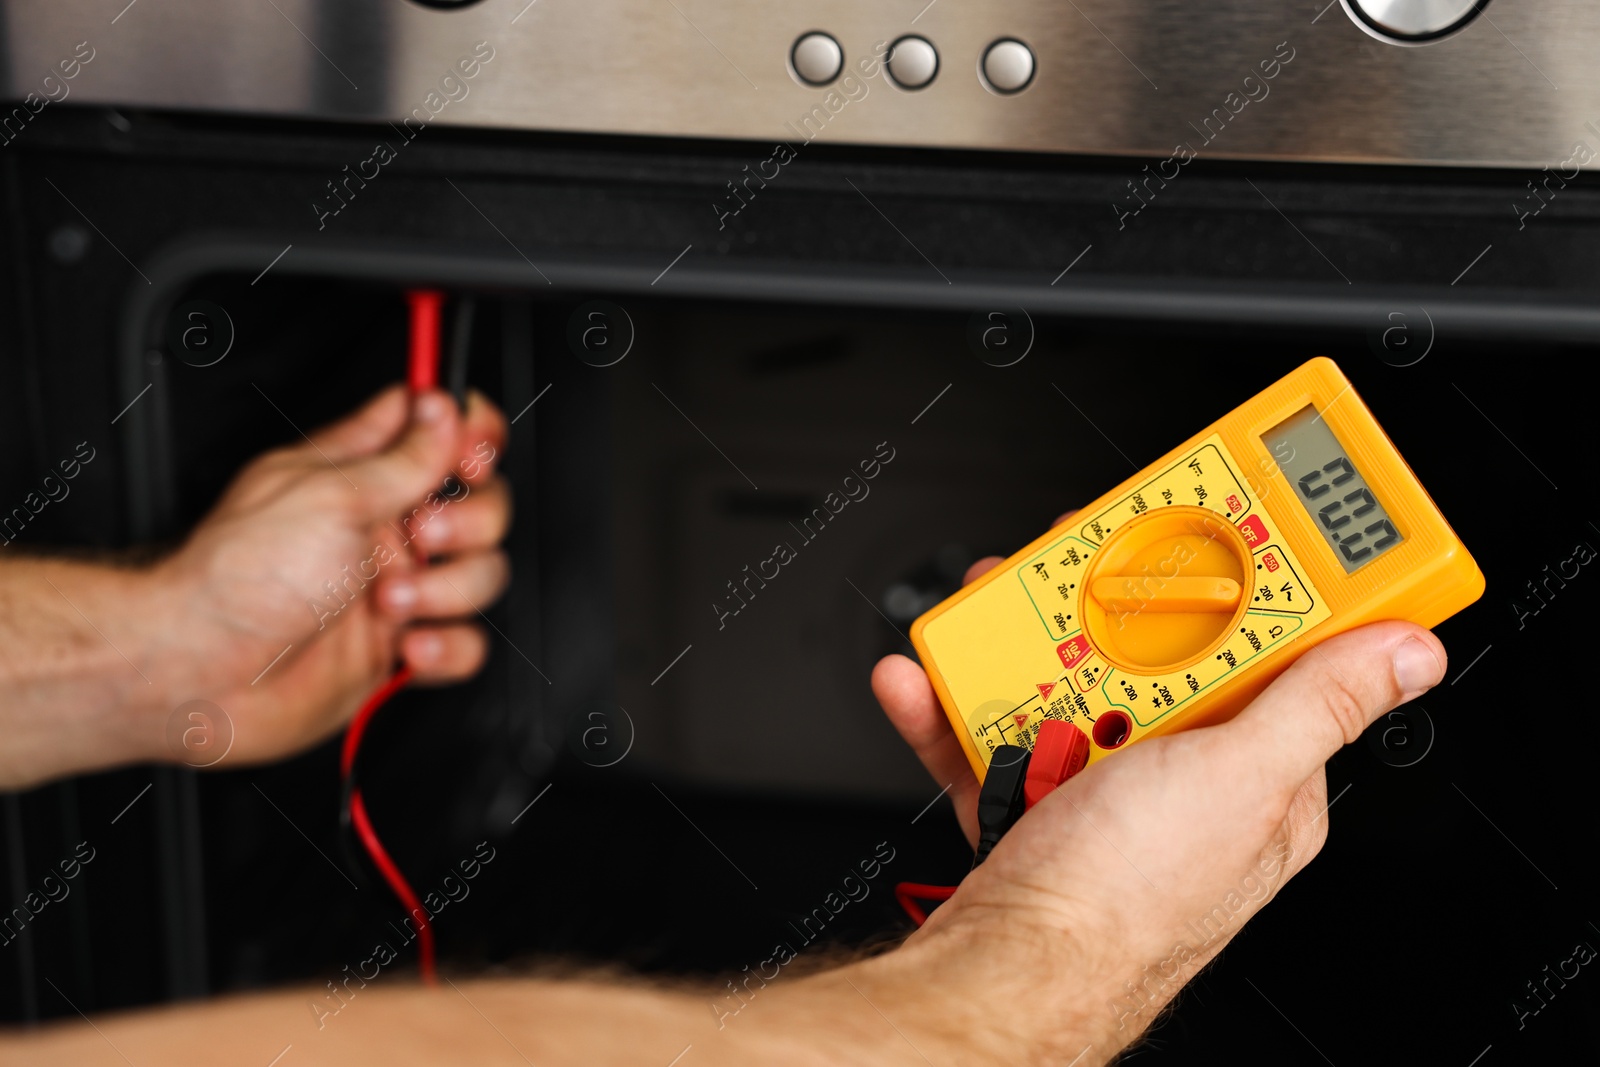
{"x": 398, "y": 883}
{"x": 358, "y": 725}
{"x": 910, "y": 893}
{"x": 422, "y": 374}
{"x": 362, "y": 823}
{"x": 423, "y": 364}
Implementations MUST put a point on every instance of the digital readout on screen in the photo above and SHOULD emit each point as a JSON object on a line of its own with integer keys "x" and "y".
{"x": 1330, "y": 488}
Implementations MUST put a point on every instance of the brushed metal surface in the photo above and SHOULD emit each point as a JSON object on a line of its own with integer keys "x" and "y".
{"x": 1516, "y": 87}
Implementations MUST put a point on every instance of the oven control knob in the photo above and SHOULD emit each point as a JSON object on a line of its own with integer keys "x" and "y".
{"x": 913, "y": 62}
{"x": 1007, "y": 66}
{"x": 1412, "y": 21}
{"x": 816, "y": 59}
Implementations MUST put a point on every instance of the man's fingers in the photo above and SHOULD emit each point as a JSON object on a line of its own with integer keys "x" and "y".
{"x": 457, "y": 588}
{"x": 911, "y": 704}
{"x": 364, "y": 431}
{"x": 909, "y": 701}
{"x": 444, "y": 653}
{"x": 414, "y": 465}
{"x": 483, "y": 437}
{"x": 1063, "y": 517}
{"x": 1331, "y": 694}
{"x": 980, "y": 568}
{"x": 478, "y": 520}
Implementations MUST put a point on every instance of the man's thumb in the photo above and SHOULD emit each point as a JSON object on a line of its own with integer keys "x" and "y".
{"x": 1334, "y": 692}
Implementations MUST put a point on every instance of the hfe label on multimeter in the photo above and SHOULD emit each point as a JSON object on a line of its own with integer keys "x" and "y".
{"x": 1176, "y": 597}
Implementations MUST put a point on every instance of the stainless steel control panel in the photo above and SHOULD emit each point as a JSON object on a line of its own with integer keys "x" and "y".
{"x": 1469, "y": 82}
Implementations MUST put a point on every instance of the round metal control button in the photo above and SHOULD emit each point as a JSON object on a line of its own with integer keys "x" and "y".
{"x": 816, "y": 58}
{"x": 1411, "y": 21}
{"x": 1007, "y": 66}
{"x": 912, "y": 62}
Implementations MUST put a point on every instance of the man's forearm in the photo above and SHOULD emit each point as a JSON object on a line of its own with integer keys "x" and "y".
{"x": 80, "y": 651}
{"x": 927, "y": 1002}
{"x": 481, "y": 1022}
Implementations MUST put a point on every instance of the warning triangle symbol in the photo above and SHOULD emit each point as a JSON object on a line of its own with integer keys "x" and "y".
{"x": 1021, "y": 720}
{"x": 1046, "y": 689}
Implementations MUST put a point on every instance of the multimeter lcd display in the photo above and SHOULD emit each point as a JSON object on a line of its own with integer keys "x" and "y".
{"x": 1330, "y": 488}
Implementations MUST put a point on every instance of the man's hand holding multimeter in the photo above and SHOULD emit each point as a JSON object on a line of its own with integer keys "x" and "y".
{"x": 1115, "y": 889}
{"x": 1182, "y": 656}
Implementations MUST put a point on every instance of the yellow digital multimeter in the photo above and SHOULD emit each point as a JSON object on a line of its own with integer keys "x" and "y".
{"x": 1174, "y": 599}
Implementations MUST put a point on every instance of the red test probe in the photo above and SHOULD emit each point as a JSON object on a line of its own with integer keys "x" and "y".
{"x": 422, "y": 374}
{"x": 1018, "y": 779}
{"x": 1059, "y": 752}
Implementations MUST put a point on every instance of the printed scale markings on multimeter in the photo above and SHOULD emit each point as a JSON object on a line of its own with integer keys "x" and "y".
{"x": 1203, "y": 479}
{"x": 1179, "y": 586}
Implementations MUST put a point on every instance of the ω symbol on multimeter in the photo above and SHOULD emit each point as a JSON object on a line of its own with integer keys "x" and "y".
{"x": 1000, "y": 338}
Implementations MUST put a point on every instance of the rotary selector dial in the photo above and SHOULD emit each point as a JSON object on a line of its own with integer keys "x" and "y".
{"x": 1166, "y": 588}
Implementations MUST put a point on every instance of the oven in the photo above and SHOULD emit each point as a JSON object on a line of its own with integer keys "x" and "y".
{"x": 719, "y": 255}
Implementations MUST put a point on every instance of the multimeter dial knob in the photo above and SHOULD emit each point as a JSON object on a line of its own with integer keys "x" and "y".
{"x": 1165, "y": 589}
